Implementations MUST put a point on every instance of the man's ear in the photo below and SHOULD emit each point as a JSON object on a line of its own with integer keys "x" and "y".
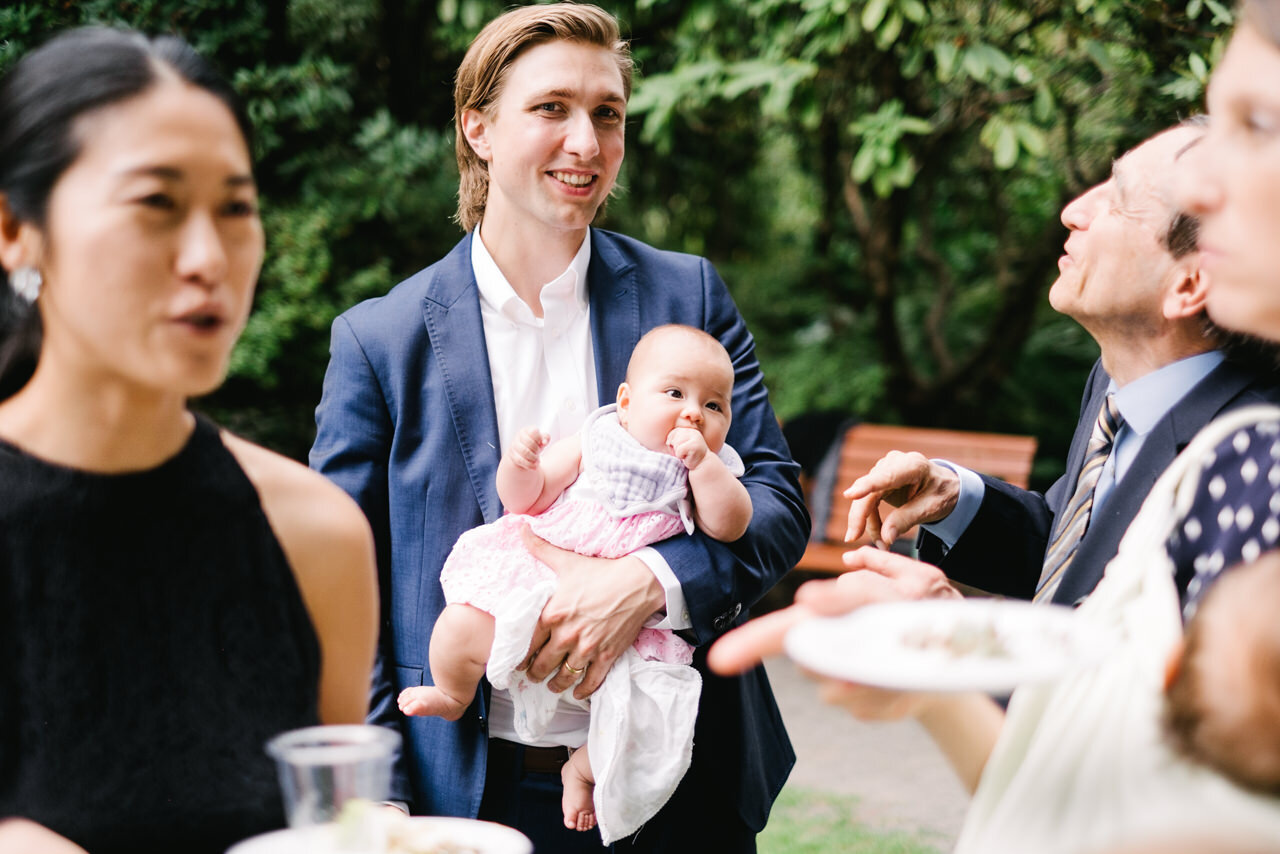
{"x": 475, "y": 130}
{"x": 20, "y": 241}
{"x": 1189, "y": 292}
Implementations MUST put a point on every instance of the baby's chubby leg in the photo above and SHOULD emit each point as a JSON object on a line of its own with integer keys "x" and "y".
{"x": 579, "y": 784}
{"x": 460, "y": 644}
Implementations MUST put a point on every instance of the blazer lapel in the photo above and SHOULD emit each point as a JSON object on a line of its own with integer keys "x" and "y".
{"x": 1203, "y": 403}
{"x": 1098, "y": 384}
{"x": 614, "y": 295}
{"x": 451, "y": 311}
{"x": 1165, "y": 441}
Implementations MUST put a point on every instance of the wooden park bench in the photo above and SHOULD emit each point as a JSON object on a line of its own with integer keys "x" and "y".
{"x": 1004, "y": 456}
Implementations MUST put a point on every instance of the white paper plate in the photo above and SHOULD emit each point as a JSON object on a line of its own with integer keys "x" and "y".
{"x": 485, "y": 836}
{"x": 989, "y": 645}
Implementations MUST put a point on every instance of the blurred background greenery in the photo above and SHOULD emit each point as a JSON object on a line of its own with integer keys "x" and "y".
{"x": 879, "y": 182}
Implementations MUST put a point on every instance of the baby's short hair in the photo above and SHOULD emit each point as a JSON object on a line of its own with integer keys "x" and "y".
{"x": 657, "y": 333}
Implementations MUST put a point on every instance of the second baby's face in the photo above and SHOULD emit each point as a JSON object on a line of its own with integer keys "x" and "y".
{"x": 683, "y": 381}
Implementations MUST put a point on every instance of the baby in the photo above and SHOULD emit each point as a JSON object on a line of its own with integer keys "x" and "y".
{"x": 1222, "y": 688}
{"x": 651, "y": 466}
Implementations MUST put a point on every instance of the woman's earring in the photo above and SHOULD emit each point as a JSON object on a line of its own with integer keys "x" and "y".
{"x": 26, "y": 283}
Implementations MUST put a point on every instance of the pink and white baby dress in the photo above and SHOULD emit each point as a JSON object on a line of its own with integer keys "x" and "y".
{"x": 641, "y": 719}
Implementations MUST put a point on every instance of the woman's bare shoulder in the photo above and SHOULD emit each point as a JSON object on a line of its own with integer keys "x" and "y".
{"x": 329, "y": 546}
{"x": 304, "y": 507}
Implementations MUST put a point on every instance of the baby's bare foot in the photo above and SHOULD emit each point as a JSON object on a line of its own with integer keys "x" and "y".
{"x": 430, "y": 700}
{"x": 579, "y": 810}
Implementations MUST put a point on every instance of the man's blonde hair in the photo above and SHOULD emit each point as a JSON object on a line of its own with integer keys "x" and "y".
{"x": 483, "y": 72}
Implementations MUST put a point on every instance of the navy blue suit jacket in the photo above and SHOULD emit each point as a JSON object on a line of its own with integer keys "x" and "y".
{"x": 407, "y": 426}
{"x": 1002, "y": 551}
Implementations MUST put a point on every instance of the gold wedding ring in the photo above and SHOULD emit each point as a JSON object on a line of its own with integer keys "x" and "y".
{"x": 574, "y": 670}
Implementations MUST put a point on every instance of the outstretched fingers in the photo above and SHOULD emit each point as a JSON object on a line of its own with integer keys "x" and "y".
{"x": 876, "y": 575}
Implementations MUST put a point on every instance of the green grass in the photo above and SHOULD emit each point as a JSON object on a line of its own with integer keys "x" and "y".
{"x": 808, "y": 822}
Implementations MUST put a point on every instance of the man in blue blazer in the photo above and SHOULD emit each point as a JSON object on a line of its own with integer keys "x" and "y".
{"x": 531, "y": 319}
{"x": 1130, "y": 275}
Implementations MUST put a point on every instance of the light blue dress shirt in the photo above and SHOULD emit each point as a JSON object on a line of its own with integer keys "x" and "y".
{"x": 1142, "y": 404}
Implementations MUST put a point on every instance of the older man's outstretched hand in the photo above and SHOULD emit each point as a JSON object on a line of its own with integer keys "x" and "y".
{"x": 902, "y": 490}
{"x": 874, "y": 576}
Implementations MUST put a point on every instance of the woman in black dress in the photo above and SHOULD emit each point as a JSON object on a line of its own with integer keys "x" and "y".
{"x": 171, "y": 596}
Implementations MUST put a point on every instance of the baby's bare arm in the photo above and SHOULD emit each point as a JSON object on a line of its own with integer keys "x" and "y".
{"x": 520, "y": 475}
{"x": 532, "y": 474}
{"x": 721, "y": 504}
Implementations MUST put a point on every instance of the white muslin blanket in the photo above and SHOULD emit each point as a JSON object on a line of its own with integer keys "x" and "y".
{"x": 640, "y": 732}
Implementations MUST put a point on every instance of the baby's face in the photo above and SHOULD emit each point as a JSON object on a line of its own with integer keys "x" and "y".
{"x": 682, "y": 382}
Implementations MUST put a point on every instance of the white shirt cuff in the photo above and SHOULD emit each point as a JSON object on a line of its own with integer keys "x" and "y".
{"x": 954, "y": 524}
{"x": 677, "y": 612}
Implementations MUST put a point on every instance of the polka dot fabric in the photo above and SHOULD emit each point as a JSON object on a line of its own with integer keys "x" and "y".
{"x": 1236, "y": 517}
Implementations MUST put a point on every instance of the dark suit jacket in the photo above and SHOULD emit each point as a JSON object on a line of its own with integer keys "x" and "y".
{"x": 407, "y": 426}
{"x": 1002, "y": 550}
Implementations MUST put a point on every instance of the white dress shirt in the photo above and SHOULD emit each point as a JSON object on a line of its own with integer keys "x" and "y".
{"x": 543, "y": 372}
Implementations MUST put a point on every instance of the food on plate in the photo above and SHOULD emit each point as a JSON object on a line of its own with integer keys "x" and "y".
{"x": 403, "y": 837}
{"x": 361, "y": 821}
{"x": 964, "y": 638}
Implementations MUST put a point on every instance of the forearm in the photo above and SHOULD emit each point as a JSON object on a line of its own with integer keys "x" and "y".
{"x": 530, "y": 478}
{"x": 965, "y": 728}
{"x": 519, "y": 488}
{"x": 721, "y": 504}
{"x": 653, "y": 597}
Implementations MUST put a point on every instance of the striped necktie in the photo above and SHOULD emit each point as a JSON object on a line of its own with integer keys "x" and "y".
{"x": 1075, "y": 518}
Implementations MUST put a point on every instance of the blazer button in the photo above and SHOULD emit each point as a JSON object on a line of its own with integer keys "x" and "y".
{"x": 722, "y": 622}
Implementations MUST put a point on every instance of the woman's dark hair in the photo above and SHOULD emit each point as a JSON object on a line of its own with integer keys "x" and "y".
{"x": 41, "y": 99}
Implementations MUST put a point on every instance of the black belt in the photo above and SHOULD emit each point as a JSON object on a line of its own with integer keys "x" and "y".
{"x": 538, "y": 760}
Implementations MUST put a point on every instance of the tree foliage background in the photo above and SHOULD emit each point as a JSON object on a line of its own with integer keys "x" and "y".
{"x": 879, "y": 181}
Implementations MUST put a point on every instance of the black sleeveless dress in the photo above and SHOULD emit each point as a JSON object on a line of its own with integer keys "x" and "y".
{"x": 152, "y": 639}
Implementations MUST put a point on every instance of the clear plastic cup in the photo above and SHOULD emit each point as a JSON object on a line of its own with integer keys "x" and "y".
{"x": 333, "y": 774}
